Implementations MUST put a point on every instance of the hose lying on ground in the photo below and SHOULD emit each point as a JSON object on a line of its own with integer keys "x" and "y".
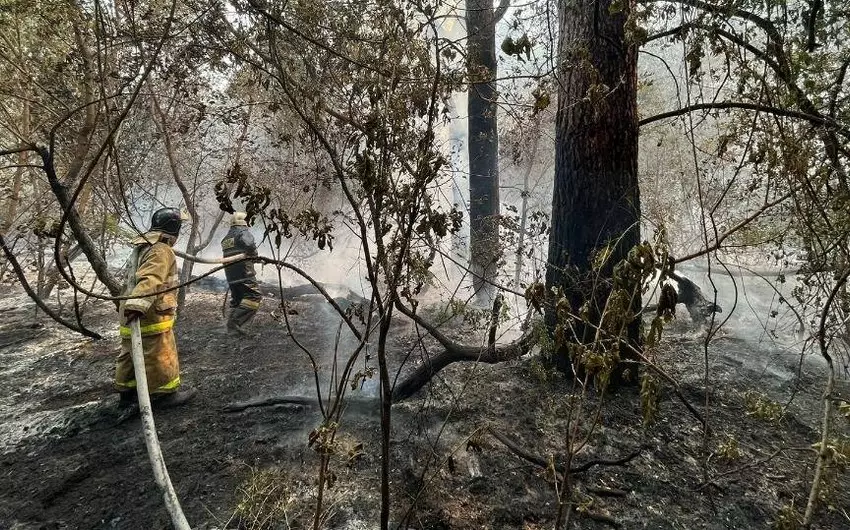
{"x": 172, "y": 504}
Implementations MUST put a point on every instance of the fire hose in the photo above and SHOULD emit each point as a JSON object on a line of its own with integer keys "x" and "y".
{"x": 172, "y": 504}
{"x": 160, "y": 472}
{"x": 209, "y": 261}
{"x": 212, "y": 261}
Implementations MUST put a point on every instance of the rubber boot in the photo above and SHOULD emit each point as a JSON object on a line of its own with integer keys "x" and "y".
{"x": 127, "y": 398}
{"x": 232, "y": 325}
{"x": 245, "y": 318}
{"x": 173, "y": 399}
{"x": 238, "y": 317}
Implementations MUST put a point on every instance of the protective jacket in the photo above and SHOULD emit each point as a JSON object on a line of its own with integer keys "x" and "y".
{"x": 239, "y": 241}
{"x": 152, "y": 268}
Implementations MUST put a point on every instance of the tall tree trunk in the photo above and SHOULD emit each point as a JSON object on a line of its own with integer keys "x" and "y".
{"x": 596, "y": 200}
{"x": 483, "y": 141}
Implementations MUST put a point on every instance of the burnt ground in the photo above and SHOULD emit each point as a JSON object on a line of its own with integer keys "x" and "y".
{"x": 69, "y": 461}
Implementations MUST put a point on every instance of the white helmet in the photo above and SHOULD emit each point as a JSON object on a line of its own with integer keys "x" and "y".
{"x": 238, "y": 219}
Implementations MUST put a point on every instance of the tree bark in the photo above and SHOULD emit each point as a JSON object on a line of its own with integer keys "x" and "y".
{"x": 596, "y": 202}
{"x": 96, "y": 259}
{"x": 483, "y": 141}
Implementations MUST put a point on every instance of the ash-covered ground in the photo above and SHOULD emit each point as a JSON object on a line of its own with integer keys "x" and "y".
{"x": 71, "y": 460}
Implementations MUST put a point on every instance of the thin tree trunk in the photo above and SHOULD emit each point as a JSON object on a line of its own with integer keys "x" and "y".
{"x": 523, "y": 220}
{"x": 162, "y": 126}
{"x": 386, "y": 416}
{"x": 95, "y": 258}
{"x": 483, "y": 141}
{"x": 17, "y": 181}
{"x": 83, "y": 139}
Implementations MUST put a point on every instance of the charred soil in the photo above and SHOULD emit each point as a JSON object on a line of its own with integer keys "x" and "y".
{"x": 71, "y": 460}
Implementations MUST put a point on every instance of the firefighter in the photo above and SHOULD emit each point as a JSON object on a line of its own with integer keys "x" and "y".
{"x": 245, "y": 295}
{"x": 152, "y": 268}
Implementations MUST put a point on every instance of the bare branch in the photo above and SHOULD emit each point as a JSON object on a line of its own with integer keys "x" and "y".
{"x": 288, "y": 27}
{"x": 500, "y": 11}
{"x": 727, "y": 105}
{"x": 35, "y": 298}
{"x": 729, "y": 11}
{"x": 69, "y": 214}
{"x": 739, "y": 226}
{"x": 23, "y": 148}
{"x": 544, "y": 463}
{"x": 455, "y": 352}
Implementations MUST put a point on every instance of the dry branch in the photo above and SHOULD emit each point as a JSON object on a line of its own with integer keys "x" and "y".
{"x": 607, "y": 492}
{"x": 826, "y": 422}
{"x": 269, "y": 401}
{"x": 598, "y": 517}
{"x": 516, "y": 449}
{"x": 38, "y": 301}
{"x": 455, "y": 352}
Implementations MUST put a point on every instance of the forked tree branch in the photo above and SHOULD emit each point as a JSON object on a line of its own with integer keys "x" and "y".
{"x": 13, "y": 261}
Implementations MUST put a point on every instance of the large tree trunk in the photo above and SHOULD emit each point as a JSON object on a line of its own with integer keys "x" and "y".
{"x": 596, "y": 200}
{"x": 483, "y": 141}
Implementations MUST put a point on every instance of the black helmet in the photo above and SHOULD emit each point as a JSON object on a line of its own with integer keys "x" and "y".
{"x": 167, "y": 220}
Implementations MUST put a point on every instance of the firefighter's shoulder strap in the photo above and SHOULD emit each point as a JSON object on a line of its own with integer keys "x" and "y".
{"x": 136, "y": 257}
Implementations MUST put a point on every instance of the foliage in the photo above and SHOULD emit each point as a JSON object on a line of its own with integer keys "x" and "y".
{"x": 837, "y": 461}
{"x": 763, "y": 408}
{"x": 728, "y": 449}
{"x": 268, "y": 497}
{"x": 650, "y": 396}
{"x": 340, "y": 108}
{"x": 787, "y": 518}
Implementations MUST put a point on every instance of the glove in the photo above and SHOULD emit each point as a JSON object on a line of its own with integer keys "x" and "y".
{"x": 131, "y": 315}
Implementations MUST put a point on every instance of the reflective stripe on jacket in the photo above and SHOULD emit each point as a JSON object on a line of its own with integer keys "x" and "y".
{"x": 150, "y": 329}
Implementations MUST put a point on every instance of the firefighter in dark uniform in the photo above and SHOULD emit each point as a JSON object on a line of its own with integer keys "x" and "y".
{"x": 244, "y": 292}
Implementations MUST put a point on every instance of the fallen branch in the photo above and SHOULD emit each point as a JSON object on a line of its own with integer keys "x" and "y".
{"x": 269, "y": 401}
{"x": 757, "y": 463}
{"x": 598, "y": 517}
{"x": 454, "y": 352}
{"x": 606, "y": 492}
{"x": 365, "y": 405}
{"x": 544, "y": 463}
{"x": 172, "y": 504}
